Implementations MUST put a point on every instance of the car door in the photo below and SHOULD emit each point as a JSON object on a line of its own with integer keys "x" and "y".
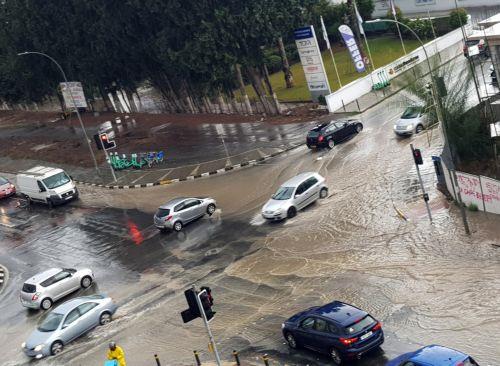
{"x": 189, "y": 211}
{"x": 304, "y": 334}
{"x": 312, "y": 191}
{"x": 199, "y": 208}
{"x": 299, "y": 196}
{"x": 71, "y": 326}
{"x": 89, "y": 319}
{"x": 61, "y": 285}
{"x": 324, "y": 339}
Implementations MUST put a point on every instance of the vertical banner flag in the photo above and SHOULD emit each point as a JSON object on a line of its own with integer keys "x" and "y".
{"x": 360, "y": 20}
{"x": 393, "y": 8}
{"x": 325, "y": 34}
{"x": 352, "y": 46}
{"x": 312, "y": 63}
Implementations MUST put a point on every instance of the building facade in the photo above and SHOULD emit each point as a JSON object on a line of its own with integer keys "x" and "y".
{"x": 416, "y": 7}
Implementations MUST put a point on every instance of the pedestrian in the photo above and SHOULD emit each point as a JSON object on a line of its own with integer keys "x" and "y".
{"x": 116, "y": 353}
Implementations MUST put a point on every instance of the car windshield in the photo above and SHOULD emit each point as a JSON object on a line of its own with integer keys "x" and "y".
{"x": 162, "y": 212}
{"x": 283, "y": 193}
{"x": 471, "y": 42}
{"x": 411, "y": 112}
{"x": 50, "y": 322}
{"x": 3, "y": 181}
{"x": 56, "y": 180}
{"x": 339, "y": 124}
{"x": 360, "y": 325}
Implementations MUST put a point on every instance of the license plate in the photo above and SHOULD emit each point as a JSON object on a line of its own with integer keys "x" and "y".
{"x": 312, "y": 145}
{"x": 366, "y": 335}
{"x": 67, "y": 198}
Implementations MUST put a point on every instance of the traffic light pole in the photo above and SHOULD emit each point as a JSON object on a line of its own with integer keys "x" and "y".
{"x": 109, "y": 161}
{"x": 207, "y": 326}
{"x": 426, "y": 197}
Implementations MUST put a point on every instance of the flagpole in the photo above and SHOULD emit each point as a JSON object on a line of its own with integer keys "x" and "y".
{"x": 397, "y": 25}
{"x": 325, "y": 36}
{"x": 360, "y": 23}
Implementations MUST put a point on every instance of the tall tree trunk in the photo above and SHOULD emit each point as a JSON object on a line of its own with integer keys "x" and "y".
{"x": 108, "y": 107}
{"x": 125, "y": 102}
{"x": 259, "y": 90}
{"x": 270, "y": 88}
{"x": 243, "y": 91}
{"x": 116, "y": 101}
{"x": 140, "y": 106}
{"x": 286, "y": 66}
{"x": 130, "y": 98}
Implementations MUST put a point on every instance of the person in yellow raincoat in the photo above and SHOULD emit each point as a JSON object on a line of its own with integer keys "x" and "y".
{"x": 116, "y": 353}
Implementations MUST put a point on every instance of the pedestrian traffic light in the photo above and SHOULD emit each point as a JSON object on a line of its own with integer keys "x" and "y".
{"x": 207, "y": 301}
{"x": 417, "y": 156}
{"x": 102, "y": 140}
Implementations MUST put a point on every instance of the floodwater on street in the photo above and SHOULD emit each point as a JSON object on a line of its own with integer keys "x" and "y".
{"x": 427, "y": 283}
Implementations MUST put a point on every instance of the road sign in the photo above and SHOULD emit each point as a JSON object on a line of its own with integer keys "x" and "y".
{"x": 76, "y": 92}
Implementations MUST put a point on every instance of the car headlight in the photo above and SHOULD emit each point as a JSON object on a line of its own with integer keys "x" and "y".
{"x": 409, "y": 127}
{"x": 282, "y": 325}
{"x": 395, "y": 127}
{"x": 38, "y": 348}
{"x": 23, "y": 345}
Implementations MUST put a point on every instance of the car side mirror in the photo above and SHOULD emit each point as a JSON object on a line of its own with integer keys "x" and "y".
{"x": 64, "y": 326}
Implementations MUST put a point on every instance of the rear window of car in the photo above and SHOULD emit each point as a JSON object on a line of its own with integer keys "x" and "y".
{"x": 471, "y": 43}
{"x": 29, "y": 288}
{"x": 360, "y": 325}
{"x": 313, "y": 133}
{"x": 162, "y": 212}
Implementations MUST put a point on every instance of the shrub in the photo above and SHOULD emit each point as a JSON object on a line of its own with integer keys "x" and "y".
{"x": 472, "y": 207}
{"x": 458, "y": 17}
{"x": 273, "y": 63}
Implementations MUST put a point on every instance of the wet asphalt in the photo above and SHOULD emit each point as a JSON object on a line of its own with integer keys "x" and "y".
{"x": 426, "y": 283}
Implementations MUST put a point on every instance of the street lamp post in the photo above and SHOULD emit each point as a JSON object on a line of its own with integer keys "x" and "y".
{"x": 440, "y": 115}
{"x": 72, "y": 100}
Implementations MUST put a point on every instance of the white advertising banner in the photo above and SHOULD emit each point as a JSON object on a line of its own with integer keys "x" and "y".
{"x": 470, "y": 189}
{"x": 312, "y": 63}
{"x": 77, "y": 92}
{"x": 491, "y": 194}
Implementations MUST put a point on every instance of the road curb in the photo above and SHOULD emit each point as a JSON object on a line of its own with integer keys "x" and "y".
{"x": 192, "y": 177}
{"x": 4, "y": 276}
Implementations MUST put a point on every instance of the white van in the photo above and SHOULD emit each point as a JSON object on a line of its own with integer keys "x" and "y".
{"x": 47, "y": 185}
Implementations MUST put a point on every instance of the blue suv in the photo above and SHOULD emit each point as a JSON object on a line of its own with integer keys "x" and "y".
{"x": 339, "y": 330}
{"x": 433, "y": 356}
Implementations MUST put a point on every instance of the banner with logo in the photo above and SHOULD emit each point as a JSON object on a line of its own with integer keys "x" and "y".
{"x": 353, "y": 48}
{"x": 77, "y": 93}
{"x": 312, "y": 63}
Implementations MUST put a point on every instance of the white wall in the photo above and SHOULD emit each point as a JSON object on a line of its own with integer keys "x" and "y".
{"x": 422, "y": 6}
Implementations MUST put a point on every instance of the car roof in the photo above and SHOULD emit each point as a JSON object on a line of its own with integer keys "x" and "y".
{"x": 295, "y": 181}
{"x": 71, "y": 304}
{"x": 436, "y": 355}
{"x": 342, "y": 313}
{"x": 173, "y": 202}
{"x": 42, "y": 276}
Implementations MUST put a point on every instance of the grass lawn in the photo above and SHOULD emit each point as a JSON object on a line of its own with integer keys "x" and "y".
{"x": 384, "y": 50}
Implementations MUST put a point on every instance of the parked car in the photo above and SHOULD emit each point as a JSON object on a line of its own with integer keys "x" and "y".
{"x": 433, "y": 356}
{"x": 178, "y": 212}
{"x": 337, "y": 329}
{"x": 43, "y": 289}
{"x": 67, "y": 322}
{"x": 294, "y": 195}
{"x": 471, "y": 44}
{"x": 332, "y": 133}
{"x": 7, "y": 189}
{"x": 46, "y": 185}
{"x": 413, "y": 120}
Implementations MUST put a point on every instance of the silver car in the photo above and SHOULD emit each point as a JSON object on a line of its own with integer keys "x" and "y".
{"x": 176, "y": 213}
{"x": 67, "y": 322}
{"x": 294, "y": 195}
{"x": 413, "y": 120}
{"x": 43, "y": 289}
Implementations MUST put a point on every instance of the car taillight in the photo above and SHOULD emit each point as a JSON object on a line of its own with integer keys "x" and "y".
{"x": 168, "y": 217}
{"x": 348, "y": 341}
{"x": 377, "y": 327}
{"x": 35, "y": 296}
{"x": 320, "y": 138}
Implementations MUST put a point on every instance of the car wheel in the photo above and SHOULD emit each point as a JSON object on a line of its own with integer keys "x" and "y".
{"x": 292, "y": 211}
{"x": 46, "y": 304}
{"x": 359, "y": 127}
{"x": 105, "y": 318}
{"x": 309, "y": 146}
{"x": 419, "y": 128}
{"x": 50, "y": 203}
{"x": 210, "y": 209}
{"x": 178, "y": 226}
{"x": 292, "y": 342}
{"x": 335, "y": 355}
{"x": 331, "y": 144}
{"x": 56, "y": 348}
{"x": 86, "y": 282}
{"x": 323, "y": 193}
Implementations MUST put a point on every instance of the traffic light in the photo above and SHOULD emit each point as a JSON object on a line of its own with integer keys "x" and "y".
{"x": 417, "y": 156}
{"x": 193, "y": 311}
{"x": 207, "y": 301}
{"x": 102, "y": 140}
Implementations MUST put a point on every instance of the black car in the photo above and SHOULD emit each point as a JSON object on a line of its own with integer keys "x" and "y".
{"x": 481, "y": 45}
{"x": 337, "y": 329}
{"x": 331, "y": 133}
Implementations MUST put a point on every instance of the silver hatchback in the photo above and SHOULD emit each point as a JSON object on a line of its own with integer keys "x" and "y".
{"x": 67, "y": 322}
{"x": 176, "y": 213}
{"x": 294, "y": 195}
{"x": 43, "y": 289}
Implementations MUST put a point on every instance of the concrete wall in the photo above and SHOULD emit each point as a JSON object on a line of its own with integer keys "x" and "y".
{"x": 422, "y": 6}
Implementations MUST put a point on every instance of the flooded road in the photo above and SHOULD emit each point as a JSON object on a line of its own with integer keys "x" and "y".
{"x": 427, "y": 283}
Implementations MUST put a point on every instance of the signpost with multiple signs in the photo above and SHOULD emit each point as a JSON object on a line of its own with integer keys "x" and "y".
{"x": 312, "y": 63}
{"x": 76, "y": 92}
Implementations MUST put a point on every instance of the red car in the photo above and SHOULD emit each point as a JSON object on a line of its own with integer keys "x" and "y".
{"x": 6, "y": 188}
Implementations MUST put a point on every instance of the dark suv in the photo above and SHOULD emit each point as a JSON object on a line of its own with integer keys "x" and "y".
{"x": 331, "y": 133}
{"x": 340, "y": 330}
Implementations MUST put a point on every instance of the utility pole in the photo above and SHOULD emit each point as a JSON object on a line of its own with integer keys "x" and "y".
{"x": 417, "y": 157}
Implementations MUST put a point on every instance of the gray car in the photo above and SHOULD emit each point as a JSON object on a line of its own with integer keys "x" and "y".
{"x": 294, "y": 195}
{"x": 176, "y": 213}
{"x": 68, "y": 322}
{"x": 43, "y": 289}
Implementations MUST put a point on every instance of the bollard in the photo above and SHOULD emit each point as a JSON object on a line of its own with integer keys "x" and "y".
{"x": 157, "y": 360}
{"x": 197, "y": 358}
{"x": 265, "y": 358}
{"x": 236, "y": 358}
